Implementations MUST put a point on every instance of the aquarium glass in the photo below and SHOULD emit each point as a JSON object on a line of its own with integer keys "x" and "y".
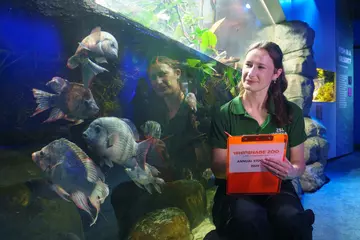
{"x": 324, "y": 84}
{"x": 217, "y": 28}
{"x": 104, "y": 122}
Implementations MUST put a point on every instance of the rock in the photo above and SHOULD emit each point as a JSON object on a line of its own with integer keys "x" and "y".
{"x": 313, "y": 178}
{"x": 203, "y": 229}
{"x": 302, "y": 53}
{"x": 305, "y": 66}
{"x": 291, "y": 36}
{"x": 210, "y": 193}
{"x": 188, "y": 195}
{"x": 17, "y": 167}
{"x": 316, "y": 150}
{"x": 314, "y": 128}
{"x": 38, "y": 218}
{"x": 131, "y": 203}
{"x": 168, "y": 223}
{"x": 299, "y": 91}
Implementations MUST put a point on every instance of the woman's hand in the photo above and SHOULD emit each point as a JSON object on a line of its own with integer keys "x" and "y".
{"x": 282, "y": 169}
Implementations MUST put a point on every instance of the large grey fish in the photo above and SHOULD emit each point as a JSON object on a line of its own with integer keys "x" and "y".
{"x": 72, "y": 101}
{"x": 133, "y": 128}
{"x": 112, "y": 139}
{"x": 73, "y": 175}
{"x": 101, "y": 46}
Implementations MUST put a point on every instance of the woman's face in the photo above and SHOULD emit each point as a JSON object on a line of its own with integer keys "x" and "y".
{"x": 258, "y": 71}
{"x": 164, "y": 79}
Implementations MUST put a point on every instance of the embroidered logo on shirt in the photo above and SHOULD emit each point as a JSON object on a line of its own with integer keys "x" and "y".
{"x": 280, "y": 130}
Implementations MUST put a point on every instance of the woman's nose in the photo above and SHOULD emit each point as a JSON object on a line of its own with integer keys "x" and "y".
{"x": 158, "y": 80}
{"x": 252, "y": 71}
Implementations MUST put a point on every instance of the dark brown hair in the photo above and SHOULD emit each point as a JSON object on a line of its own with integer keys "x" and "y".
{"x": 174, "y": 64}
{"x": 278, "y": 87}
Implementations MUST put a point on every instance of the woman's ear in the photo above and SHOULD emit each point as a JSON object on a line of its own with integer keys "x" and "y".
{"x": 178, "y": 72}
{"x": 277, "y": 73}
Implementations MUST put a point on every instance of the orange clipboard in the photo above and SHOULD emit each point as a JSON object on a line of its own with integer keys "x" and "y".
{"x": 244, "y": 171}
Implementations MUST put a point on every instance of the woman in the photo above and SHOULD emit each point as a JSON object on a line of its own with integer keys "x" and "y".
{"x": 179, "y": 123}
{"x": 261, "y": 107}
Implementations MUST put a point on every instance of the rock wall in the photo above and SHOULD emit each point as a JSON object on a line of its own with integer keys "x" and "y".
{"x": 296, "y": 40}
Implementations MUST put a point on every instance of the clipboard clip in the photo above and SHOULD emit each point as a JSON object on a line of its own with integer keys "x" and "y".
{"x": 228, "y": 134}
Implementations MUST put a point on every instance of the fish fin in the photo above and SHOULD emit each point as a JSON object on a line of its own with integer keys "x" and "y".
{"x": 96, "y": 33}
{"x": 153, "y": 170}
{"x": 55, "y": 114}
{"x": 57, "y": 84}
{"x": 101, "y": 60}
{"x": 76, "y": 122}
{"x": 73, "y": 62}
{"x": 83, "y": 46}
{"x": 143, "y": 149}
{"x": 108, "y": 162}
{"x": 81, "y": 202}
{"x": 98, "y": 196}
{"x": 61, "y": 192}
{"x": 89, "y": 71}
{"x": 158, "y": 183}
{"x": 112, "y": 139}
{"x": 130, "y": 163}
{"x": 148, "y": 188}
{"x": 92, "y": 172}
{"x": 43, "y": 99}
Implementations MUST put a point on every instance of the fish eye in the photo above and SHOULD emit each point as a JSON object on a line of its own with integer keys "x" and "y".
{"x": 42, "y": 154}
{"x": 97, "y": 129}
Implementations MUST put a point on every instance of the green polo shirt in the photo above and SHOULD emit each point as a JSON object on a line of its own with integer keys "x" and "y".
{"x": 234, "y": 119}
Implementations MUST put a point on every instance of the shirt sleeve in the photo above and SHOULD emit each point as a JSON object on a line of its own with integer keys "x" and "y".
{"x": 297, "y": 127}
{"x": 217, "y": 136}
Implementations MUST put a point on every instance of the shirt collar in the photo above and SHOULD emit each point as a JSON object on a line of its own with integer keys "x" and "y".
{"x": 238, "y": 108}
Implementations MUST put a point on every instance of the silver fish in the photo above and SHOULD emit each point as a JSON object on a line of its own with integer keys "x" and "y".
{"x": 191, "y": 101}
{"x": 71, "y": 102}
{"x": 112, "y": 139}
{"x": 146, "y": 177}
{"x": 73, "y": 175}
{"x": 100, "y": 45}
{"x": 151, "y": 129}
{"x": 133, "y": 128}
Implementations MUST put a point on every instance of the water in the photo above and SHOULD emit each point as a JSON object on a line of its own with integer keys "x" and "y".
{"x": 36, "y": 42}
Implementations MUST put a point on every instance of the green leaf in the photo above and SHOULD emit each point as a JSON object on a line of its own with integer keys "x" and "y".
{"x": 193, "y": 62}
{"x": 208, "y": 40}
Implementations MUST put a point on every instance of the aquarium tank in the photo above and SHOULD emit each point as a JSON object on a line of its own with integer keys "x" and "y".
{"x": 105, "y": 111}
{"x": 324, "y": 86}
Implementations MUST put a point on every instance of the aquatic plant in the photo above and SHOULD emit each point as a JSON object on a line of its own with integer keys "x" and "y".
{"x": 206, "y": 73}
{"x": 174, "y": 18}
{"x": 105, "y": 92}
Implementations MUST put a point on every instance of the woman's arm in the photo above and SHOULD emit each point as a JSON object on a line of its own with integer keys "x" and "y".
{"x": 298, "y": 160}
{"x": 218, "y": 165}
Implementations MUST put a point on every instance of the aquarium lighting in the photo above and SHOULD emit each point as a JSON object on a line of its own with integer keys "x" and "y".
{"x": 248, "y": 6}
{"x": 267, "y": 10}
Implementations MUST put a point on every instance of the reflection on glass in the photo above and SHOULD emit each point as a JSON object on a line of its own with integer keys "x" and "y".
{"x": 324, "y": 84}
{"x": 216, "y": 28}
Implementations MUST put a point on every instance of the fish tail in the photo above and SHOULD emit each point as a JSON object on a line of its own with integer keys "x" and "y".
{"x": 89, "y": 71}
{"x": 158, "y": 183}
{"x": 98, "y": 196}
{"x": 81, "y": 202}
{"x": 73, "y": 62}
{"x": 142, "y": 151}
{"x": 43, "y": 99}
